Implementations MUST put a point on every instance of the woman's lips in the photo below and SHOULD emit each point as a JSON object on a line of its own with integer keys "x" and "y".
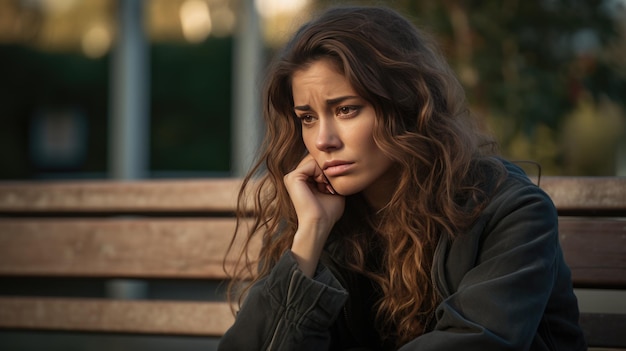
{"x": 337, "y": 168}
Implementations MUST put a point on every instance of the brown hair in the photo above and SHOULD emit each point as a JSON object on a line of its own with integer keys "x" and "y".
{"x": 422, "y": 124}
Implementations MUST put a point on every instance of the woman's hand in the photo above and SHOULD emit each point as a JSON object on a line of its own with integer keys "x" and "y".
{"x": 318, "y": 208}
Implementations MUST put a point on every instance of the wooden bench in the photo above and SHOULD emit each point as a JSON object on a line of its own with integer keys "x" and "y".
{"x": 179, "y": 230}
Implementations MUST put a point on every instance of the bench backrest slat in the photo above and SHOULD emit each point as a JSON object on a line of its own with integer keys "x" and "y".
{"x": 154, "y": 196}
{"x": 194, "y": 248}
{"x": 116, "y": 316}
{"x": 179, "y": 248}
{"x": 587, "y": 195}
{"x": 591, "y": 194}
{"x": 595, "y": 250}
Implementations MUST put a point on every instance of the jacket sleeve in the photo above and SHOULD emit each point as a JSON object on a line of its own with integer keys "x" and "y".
{"x": 287, "y": 311}
{"x": 513, "y": 259}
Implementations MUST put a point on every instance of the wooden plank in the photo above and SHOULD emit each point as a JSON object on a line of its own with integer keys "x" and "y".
{"x": 595, "y": 250}
{"x": 604, "y": 329}
{"x": 151, "y": 248}
{"x": 190, "y": 318}
{"x": 594, "y": 194}
{"x": 587, "y": 194}
{"x": 214, "y": 195}
{"x": 115, "y": 316}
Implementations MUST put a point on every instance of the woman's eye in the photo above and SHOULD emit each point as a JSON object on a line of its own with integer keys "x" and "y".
{"x": 347, "y": 111}
{"x": 306, "y": 119}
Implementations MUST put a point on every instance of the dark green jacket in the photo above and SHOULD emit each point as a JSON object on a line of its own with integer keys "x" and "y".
{"x": 504, "y": 286}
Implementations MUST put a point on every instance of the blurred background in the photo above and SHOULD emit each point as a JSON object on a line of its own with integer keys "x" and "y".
{"x": 169, "y": 88}
{"x": 142, "y": 89}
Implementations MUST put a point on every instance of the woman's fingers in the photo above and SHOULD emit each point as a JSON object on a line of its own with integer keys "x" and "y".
{"x": 322, "y": 183}
{"x": 311, "y": 194}
{"x": 309, "y": 171}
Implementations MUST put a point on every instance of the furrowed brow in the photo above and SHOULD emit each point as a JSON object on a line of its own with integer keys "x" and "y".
{"x": 302, "y": 108}
{"x": 338, "y": 100}
{"x": 329, "y": 102}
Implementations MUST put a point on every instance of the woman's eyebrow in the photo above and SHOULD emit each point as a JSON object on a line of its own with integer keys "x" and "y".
{"x": 337, "y": 100}
{"x": 302, "y": 108}
{"x": 329, "y": 102}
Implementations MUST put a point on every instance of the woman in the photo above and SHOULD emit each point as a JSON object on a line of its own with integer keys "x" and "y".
{"x": 387, "y": 221}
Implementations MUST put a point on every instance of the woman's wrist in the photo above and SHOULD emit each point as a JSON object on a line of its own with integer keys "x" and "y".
{"x": 308, "y": 243}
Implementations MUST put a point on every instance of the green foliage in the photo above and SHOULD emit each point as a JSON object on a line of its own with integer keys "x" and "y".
{"x": 527, "y": 65}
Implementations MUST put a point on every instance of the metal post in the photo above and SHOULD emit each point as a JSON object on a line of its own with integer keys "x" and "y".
{"x": 246, "y": 122}
{"x": 129, "y": 122}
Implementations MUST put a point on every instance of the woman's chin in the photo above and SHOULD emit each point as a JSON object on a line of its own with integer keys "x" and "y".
{"x": 341, "y": 188}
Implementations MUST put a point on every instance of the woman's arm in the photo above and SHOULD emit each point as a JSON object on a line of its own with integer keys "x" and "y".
{"x": 507, "y": 270}
{"x": 287, "y": 311}
{"x": 294, "y": 307}
{"x": 317, "y": 208}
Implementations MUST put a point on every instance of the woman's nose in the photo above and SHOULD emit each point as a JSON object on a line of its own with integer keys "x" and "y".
{"x": 327, "y": 137}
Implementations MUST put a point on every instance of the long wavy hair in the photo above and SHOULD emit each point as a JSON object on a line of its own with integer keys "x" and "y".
{"x": 423, "y": 125}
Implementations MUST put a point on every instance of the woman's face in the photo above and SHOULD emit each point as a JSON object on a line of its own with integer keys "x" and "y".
{"x": 337, "y": 129}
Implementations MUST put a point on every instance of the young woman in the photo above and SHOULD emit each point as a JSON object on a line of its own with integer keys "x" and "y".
{"x": 387, "y": 220}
